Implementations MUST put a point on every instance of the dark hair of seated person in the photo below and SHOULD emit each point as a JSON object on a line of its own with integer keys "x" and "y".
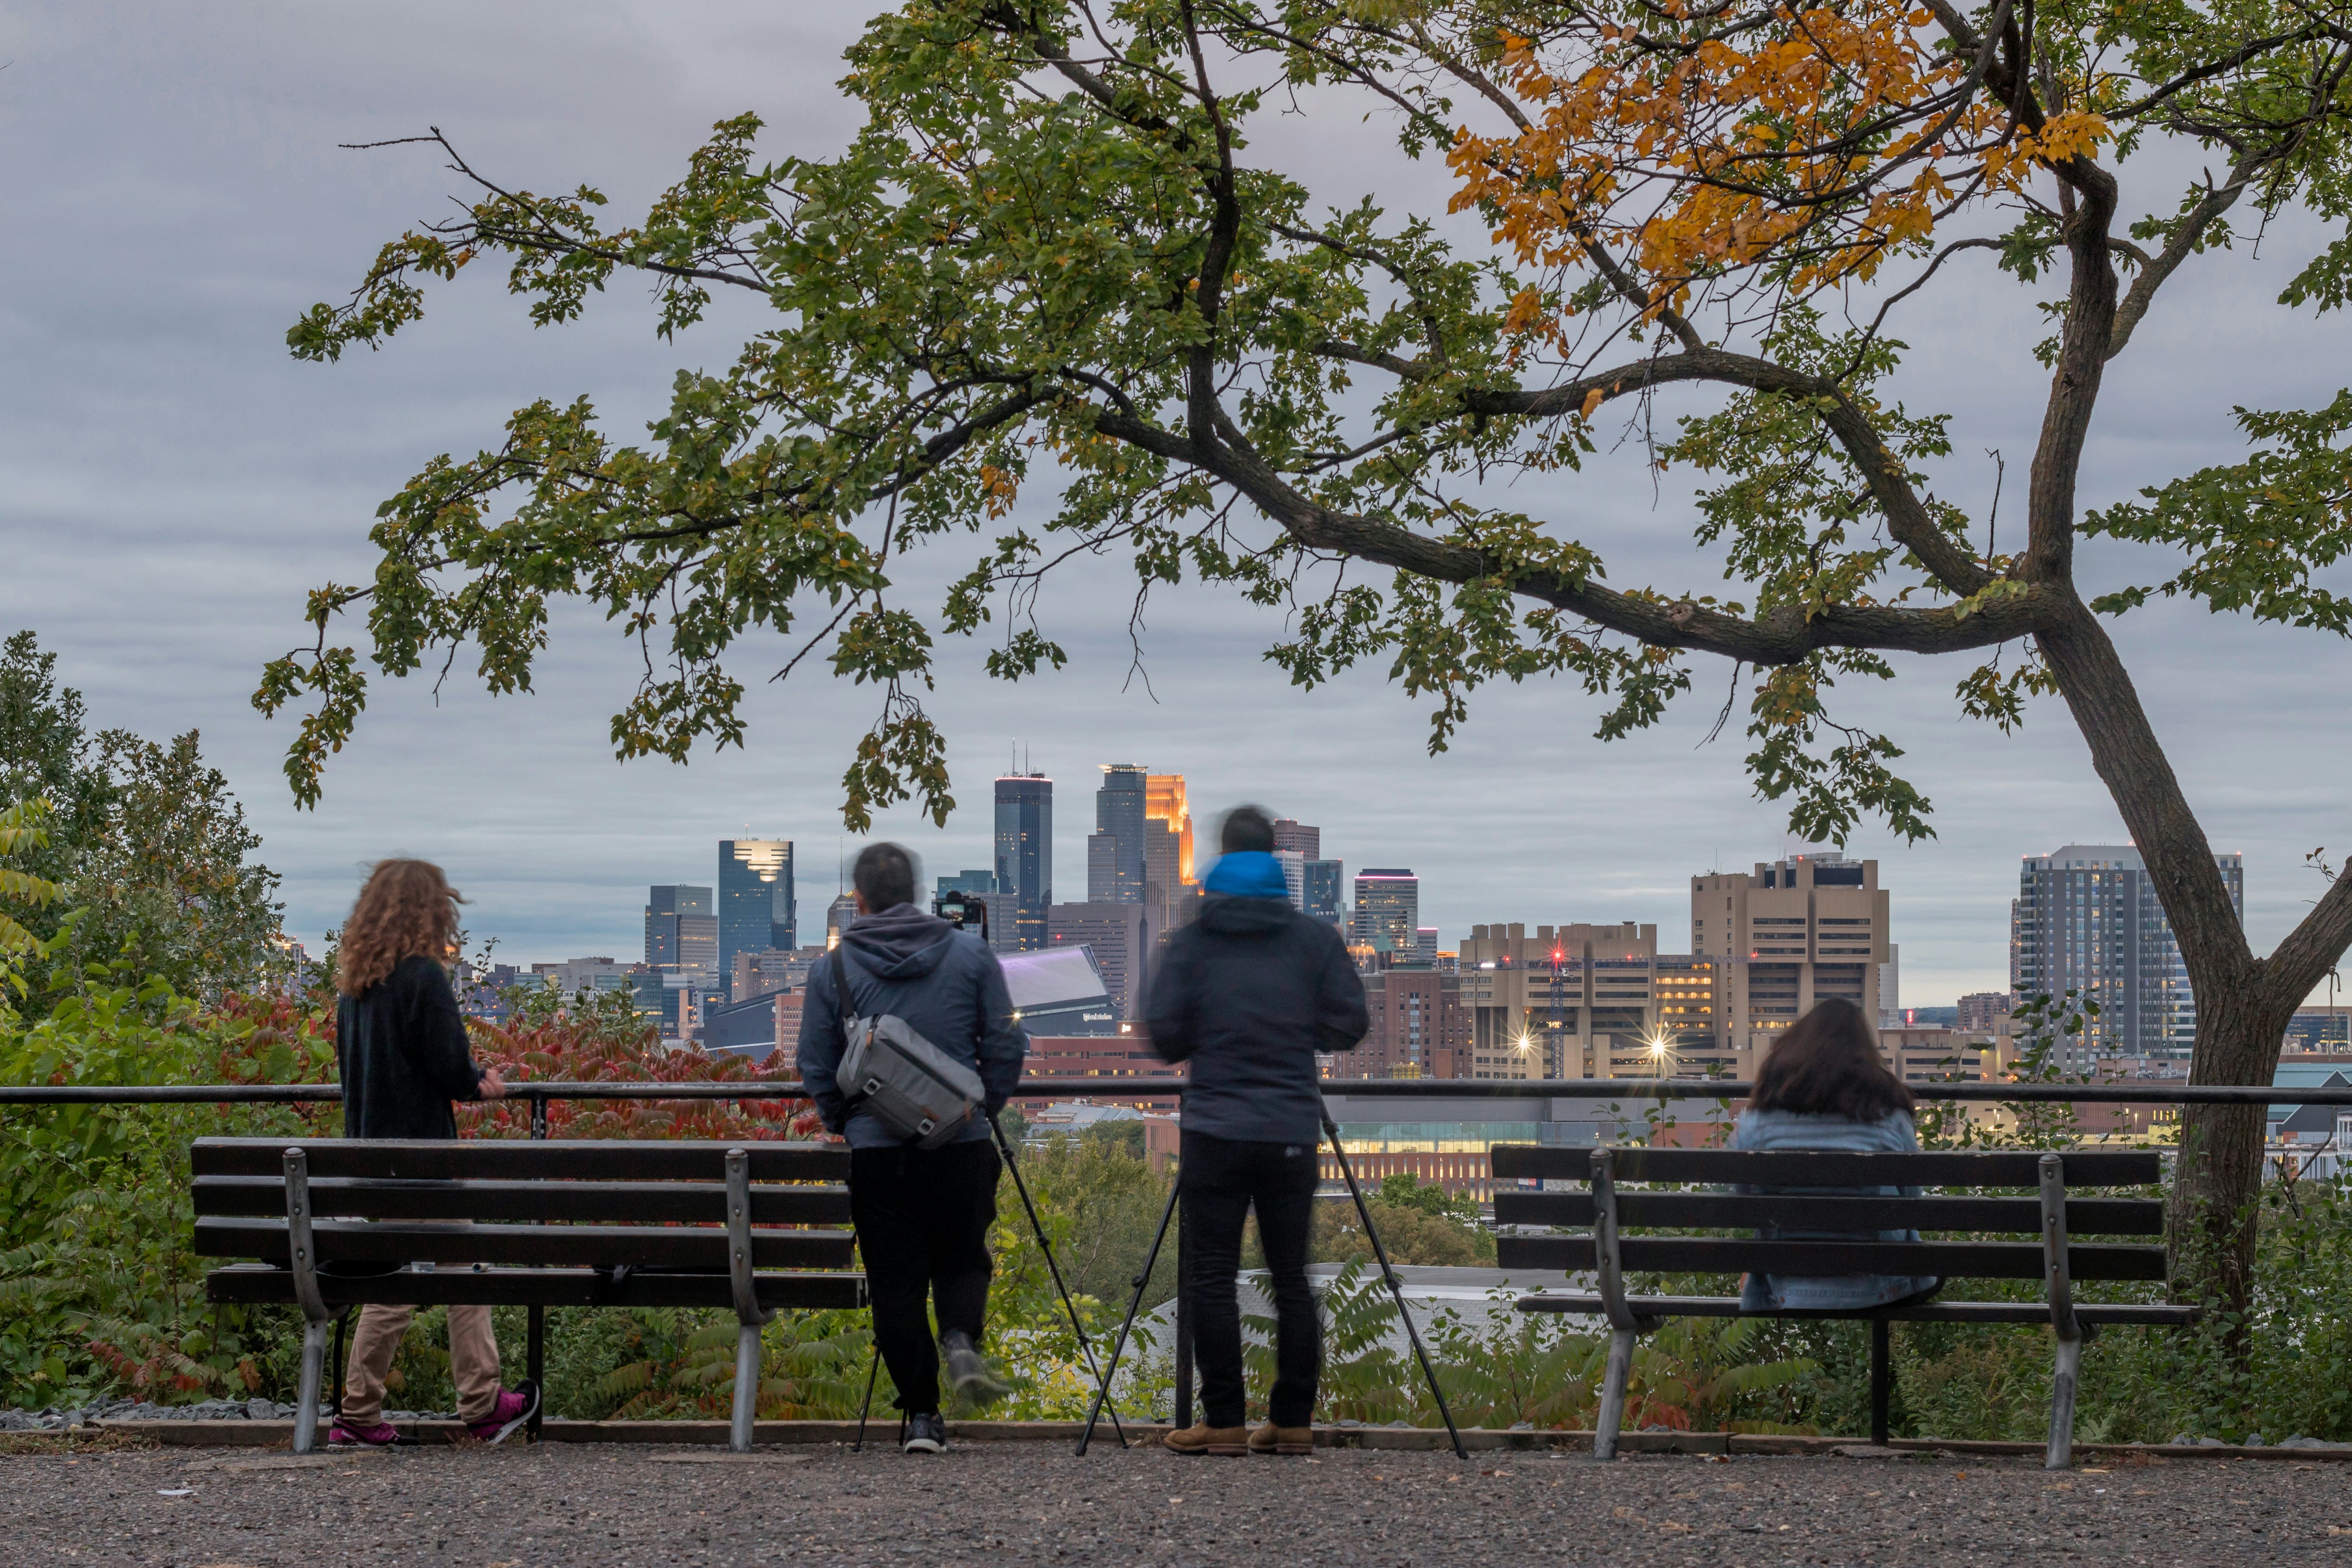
{"x": 1827, "y": 1064}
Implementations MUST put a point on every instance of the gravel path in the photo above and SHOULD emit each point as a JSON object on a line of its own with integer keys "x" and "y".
{"x": 558, "y": 1505}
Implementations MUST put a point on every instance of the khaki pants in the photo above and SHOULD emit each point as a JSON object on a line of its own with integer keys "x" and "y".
{"x": 473, "y": 1360}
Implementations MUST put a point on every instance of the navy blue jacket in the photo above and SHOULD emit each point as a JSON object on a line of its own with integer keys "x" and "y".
{"x": 944, "y": 983}
{"x": 1247, "y": 994}
{"x": 401, "y": 1056}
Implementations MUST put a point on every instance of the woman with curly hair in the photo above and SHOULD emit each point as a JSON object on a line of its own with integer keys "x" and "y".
{"x": 401, "y": 1052}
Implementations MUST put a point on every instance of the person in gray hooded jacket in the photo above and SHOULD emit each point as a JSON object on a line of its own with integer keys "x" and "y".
{"x": 922, "y": 1215}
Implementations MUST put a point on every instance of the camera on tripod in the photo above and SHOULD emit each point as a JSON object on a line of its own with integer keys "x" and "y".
{"x": 965, "y": 911}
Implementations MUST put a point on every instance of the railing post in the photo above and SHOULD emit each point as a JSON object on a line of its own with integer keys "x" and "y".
{"x": 535, "y": 1320}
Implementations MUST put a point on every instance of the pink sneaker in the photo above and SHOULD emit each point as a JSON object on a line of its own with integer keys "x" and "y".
{"x": 514, "y": 1407}
{"x": 350, "y": 1434}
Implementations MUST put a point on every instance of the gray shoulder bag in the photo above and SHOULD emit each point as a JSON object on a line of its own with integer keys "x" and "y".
{"x": 911, "y": 1085}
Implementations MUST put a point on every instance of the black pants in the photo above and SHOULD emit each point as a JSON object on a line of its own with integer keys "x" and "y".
{"x": 1220, "y": 1179}
{"x": 922, "y": 1219}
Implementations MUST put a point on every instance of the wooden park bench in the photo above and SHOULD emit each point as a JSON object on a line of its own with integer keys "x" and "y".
{"x": 337, "y": 1222}
{"x": 2050, "y": 1216}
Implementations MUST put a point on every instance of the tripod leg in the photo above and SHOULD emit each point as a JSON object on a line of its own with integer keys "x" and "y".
{"x": 1134, "y": 1304}
{"x": 872, "y": 1372}
{"x": 1086, "y": 1346}
{"x": 1396, "y": 1288}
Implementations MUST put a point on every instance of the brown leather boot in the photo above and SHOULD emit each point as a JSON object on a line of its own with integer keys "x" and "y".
{"x": 1201, "y": 1439}
{"x": 1269, "y": 1438}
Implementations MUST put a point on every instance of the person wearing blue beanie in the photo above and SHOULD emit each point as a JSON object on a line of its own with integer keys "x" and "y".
{"x": 1247, "y": 994}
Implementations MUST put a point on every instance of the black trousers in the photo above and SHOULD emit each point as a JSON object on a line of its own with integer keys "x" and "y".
{"x": 1220, "y": 1179}
{"x": 922, "y": 1219}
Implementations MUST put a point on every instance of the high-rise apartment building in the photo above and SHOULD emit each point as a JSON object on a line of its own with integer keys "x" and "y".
{"x": 1794, "y": 932}
{"x": 1418, "y": 1029}
{"x": 1024, "y": 862}
{"x": 1590, "y": 1002}
{"x": 1980, "y": 1012}
{"x": 1115, "y": 849}
{"x": 1388, "y": 910}
{"x": 1297, "y": 839}
{"x": 2088, "y": 920}
{"x": 681, "y": 931}
{"x": 755, "y": 898}
{"x": 1321, "y": 889}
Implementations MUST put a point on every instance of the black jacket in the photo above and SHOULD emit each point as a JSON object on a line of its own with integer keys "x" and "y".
{"x": 401, "y": 1052}
{"x": 1248, "y": 993}
{"x": 945, "y": 983}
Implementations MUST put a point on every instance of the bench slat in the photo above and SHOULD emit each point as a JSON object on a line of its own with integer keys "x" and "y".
{"x": 1733, "y": 1255}
{"x": 1927, "y": 1312}
{"x": 620, "y": 1202}
{"x": 1778, "y": 1168}
{"x": 521, "y": 1159}
{"x": 542, "y": 1245}
{"x": 1698, "y": 1210}
{"x": 259, "y": 1284}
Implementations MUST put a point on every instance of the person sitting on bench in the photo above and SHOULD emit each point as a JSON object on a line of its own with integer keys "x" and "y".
{"x": 1822, "y": 1086}
{"x": 402, "y": 1054}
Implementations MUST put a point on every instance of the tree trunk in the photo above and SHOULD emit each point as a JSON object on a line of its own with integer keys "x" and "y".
{"x": 2211, "y": 1227}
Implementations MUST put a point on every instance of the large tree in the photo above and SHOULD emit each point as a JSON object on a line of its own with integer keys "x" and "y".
{"x": 1049, "y": 259}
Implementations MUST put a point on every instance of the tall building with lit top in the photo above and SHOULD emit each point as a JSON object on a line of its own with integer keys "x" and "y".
{"x": 755, "y": 898}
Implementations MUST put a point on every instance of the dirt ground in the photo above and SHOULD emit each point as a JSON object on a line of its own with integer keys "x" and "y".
{"x": 557, "y": 1505}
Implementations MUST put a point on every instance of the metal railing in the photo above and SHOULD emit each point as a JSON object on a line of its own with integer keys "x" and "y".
{"x": 1151, "y": 1087}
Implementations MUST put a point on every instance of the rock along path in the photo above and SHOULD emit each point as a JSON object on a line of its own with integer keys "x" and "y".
{"x": 558, "y": 1505}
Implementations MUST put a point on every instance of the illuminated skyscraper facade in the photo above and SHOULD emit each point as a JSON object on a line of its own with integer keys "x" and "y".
{"x": 755, "y": 898}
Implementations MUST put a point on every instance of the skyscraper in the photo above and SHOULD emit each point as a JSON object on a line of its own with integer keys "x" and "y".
{"x": 755, "y": 898}
{"x": 966, "y": 880}
{"x": 1297, "y": 839}
{"x": 2088, "y": 920}
{"x": 681, "y": 932}
{"x": 1388, "y": 909}
{"x": 678, "y": 927}
{"x": 1164, "y": 802}
{"x": 1024, "y": 861}
{"x": 1320, "y": 895}
{"x": 1793, "y": 933}
{"x": 1115, "y": 849}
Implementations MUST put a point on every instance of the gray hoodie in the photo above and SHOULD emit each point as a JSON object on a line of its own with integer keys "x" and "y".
{"x": 944, "y": 983}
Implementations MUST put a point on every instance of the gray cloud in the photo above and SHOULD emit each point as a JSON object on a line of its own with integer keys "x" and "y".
{"x": 174, "y": 483}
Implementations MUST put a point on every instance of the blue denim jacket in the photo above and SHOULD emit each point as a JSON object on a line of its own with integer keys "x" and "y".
{"x": 1892, "y": 1133}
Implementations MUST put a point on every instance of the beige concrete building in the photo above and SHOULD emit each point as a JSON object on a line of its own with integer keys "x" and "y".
{"x": 1588, "y": 1001}
{"x": 1791, "y": 933}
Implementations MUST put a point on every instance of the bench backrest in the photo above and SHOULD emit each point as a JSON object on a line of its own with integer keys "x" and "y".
{"x": 552, "y": 1204}
{"x": 1604, "y": 1204}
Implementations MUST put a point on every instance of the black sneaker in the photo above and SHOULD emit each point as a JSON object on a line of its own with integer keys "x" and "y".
{"x": 926, "y": 1434}
{"x": 968, "y": 1374}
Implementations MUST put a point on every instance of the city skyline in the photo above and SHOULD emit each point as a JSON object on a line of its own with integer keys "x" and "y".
{"x": 254, "y": 478}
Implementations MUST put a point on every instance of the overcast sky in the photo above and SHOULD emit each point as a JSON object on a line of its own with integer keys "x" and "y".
{"x": 172, "y": 482}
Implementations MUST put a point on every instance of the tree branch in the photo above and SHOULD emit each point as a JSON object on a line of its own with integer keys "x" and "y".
{"x": 2184, "y": 240}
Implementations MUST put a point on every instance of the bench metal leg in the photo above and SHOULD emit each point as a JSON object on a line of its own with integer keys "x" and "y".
{"x": 1881, "y": 1376}
{"x": 746, "y": 1386}
{"x": 1612, "y": 1394}
{"x": 2062, "y": 1406}
{"x": 306, "y": 1402}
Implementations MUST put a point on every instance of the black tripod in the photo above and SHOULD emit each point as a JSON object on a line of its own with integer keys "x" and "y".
{"x": 1388, "y": 1273}
{"x": 1086, "y": 1345}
